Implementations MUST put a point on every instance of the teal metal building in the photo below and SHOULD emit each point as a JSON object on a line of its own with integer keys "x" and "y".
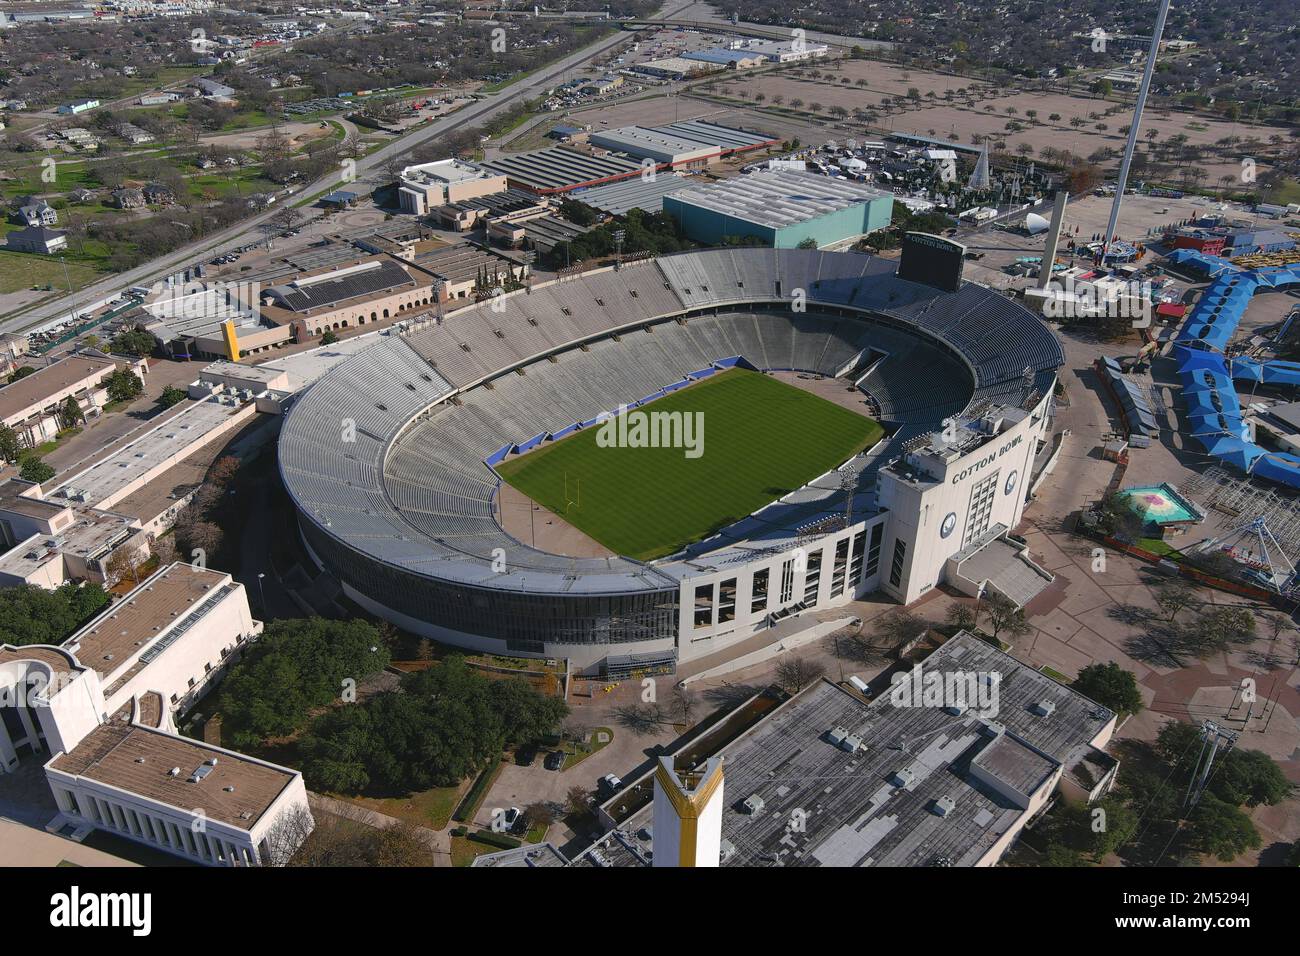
{"x": 781, "y": 209}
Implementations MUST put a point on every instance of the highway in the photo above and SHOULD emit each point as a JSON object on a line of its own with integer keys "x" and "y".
{"x": 241, "y": 233}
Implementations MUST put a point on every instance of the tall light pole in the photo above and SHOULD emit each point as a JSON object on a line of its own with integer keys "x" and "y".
{"x": 619, "y": 236}
{"x": 1129, "y": 147}
{"x": 261, "y": 595}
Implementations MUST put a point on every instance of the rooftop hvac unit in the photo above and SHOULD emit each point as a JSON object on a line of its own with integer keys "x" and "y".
{"x": 753, "y": 804}
{"x": 903, "y": 778}
{"x": 943, "y": 806}
{"x": 1045, "y": 708}
{"x": 726, "y": 850}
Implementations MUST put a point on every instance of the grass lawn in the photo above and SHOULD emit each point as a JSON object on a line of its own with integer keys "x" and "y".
{"x": 597, "y": 744}
{"x": 245, "y": 181}
{"x": 69, "y": 173}
{"x": 464, "y": 850}
{"x": 649, "y": 502}
{"x": 23, "y": 270}
{"x": 429, "y": 808}
{"x": 1155, "y": 546}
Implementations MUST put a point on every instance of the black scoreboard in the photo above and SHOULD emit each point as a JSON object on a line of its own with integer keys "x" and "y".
{"x": 932, "y": 260}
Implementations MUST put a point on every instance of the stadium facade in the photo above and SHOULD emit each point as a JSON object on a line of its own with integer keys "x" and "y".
{"x": 389, "y": 458}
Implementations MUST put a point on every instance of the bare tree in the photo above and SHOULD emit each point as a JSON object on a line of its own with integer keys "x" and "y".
{"x": 1173, "y": 596}
{"x": 538, "y": 815}
{"x": 122, "y": 563}
{"x": 899, "y": 627}
{"x": 684, "y": 703}
{"x": 578, "y": 801}
{"x": 287, "y": 836}
{"x": 796, "y": 673}
{"x": 962, "y": 616}
{"x": 1004, "y": 616}
{"x": 641, "y": 719}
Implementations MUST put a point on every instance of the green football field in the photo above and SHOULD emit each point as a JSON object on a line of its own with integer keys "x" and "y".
{"x": 761, "y": 439}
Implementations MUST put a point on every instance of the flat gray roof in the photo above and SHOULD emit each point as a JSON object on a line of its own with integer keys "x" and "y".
{"x": 657, "y": 144}
{"x": 855, "y": 814}
{"x": 851, "y": 806}
{"x": 778, "y": 198}
{"x": 648, "y": 194}
{"x": 529, "y": 855}
{"x": 136, "y": 459}
{"x": 556, "y": 169}
{"x": 729, "y": 138}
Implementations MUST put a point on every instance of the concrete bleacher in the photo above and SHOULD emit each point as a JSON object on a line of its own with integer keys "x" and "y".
{"x": 412, "y": 485}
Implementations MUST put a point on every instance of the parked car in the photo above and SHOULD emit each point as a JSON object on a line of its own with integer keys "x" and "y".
{"x": 514, "y": 817}
{"x": 555, "y": 760}
{"x": 611, "y": 782}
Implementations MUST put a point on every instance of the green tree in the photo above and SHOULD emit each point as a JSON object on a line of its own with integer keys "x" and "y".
{"x": 34, "y": 615}
{"x": 69, "y": 413}
{"x": 10, "y": 446}
{"x": 1111, "y": 686}
{"x": 578, "y": 212}
{"x": 444, "y": 724}
{"x": 19, "y": 373}
{"x": 135, "y": 342}
{"x": 34, "y": 469}
{"x": 124, "y": 385}
{"x": 171, "y": 395}
{"x": 329, "y": 338}
{"x": 1249, "y": 778}
{"x": 1217, "y": 828}
{"x": 298, "y": 665}
{"x": 961, "y": 616}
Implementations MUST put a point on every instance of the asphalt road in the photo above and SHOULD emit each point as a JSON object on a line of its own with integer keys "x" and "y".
{"x": 241, "y": 233}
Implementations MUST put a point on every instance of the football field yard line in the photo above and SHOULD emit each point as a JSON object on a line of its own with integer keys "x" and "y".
{"x": 762, "y": 439}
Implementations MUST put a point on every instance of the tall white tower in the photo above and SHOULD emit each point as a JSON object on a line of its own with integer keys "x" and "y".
{"x": 688, "y": 814}
{"x": 1112, "y": 225}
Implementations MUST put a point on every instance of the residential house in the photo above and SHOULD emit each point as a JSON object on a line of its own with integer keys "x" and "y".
{"x": 37, "y": 239}
{"x": 37, "y": 212}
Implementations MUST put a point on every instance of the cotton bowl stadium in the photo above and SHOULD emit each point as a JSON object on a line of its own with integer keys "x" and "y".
{"x": 707, "y": 445}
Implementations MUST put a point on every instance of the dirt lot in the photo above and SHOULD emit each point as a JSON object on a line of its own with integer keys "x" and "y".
{"x": 1084, "y": 217}
{"x": 943, "y": 118}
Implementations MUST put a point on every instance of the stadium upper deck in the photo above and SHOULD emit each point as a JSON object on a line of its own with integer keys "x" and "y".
{"x": 390, "y": 473}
